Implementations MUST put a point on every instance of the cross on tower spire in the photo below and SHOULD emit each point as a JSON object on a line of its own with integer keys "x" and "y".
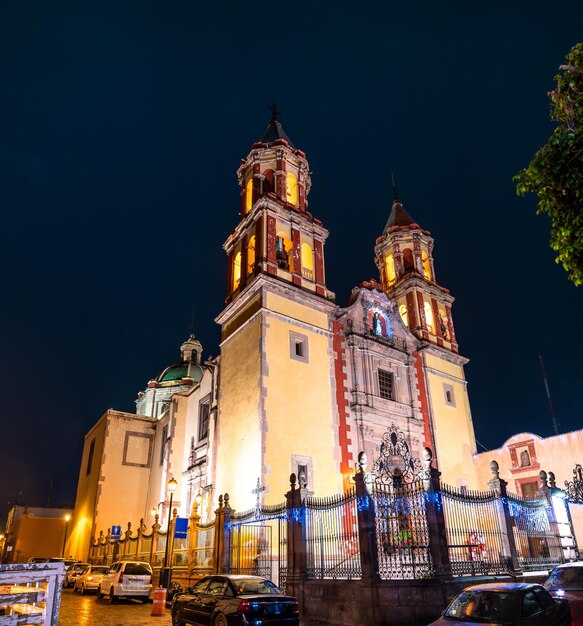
{"x": 274, "y": 112}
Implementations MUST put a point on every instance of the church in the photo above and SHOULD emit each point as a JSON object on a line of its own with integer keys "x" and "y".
{"x": 302, "y": 384}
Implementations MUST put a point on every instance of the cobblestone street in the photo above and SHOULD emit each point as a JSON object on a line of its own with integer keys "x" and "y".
{"x": 77, "y": 610}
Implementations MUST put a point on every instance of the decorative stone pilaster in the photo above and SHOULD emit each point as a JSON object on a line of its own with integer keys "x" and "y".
{"x": 193, "y": 523}
{"x": 127, "y": 537}
{"x": 139, "y": 538}
{"x": 154, "y": 544}
{"x": 506, "y": 524}
{"x": 436, "y": 528}
{"x": 222, "y": 536}
{"x": 367, "y": 535}
{"x": 296, "y": 544}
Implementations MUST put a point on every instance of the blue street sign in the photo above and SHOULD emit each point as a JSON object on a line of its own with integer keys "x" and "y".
{"x": 115, "y": 532}
{"x": 181, "y": 528}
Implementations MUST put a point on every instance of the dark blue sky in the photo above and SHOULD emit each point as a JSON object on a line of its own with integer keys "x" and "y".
{"x": 121, "y": 128}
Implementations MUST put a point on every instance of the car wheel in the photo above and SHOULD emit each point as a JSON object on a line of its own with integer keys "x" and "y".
{"x": 177, "y": 616}
{"x": 220, "y": 620}
{"x": 99, "y": 594}
{"x": 112, "y": 597}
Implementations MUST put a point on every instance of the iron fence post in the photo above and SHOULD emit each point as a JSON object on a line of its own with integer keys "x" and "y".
{"x": 193, "y": 536}
{"x": 510, "y": 555}
{"x": 436, "y": 529}
{"x": 154, "y": 545}
{"x": 367, "y": 532}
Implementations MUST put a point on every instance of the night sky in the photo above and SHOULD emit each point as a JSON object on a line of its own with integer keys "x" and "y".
{"x": 121, "y": 128}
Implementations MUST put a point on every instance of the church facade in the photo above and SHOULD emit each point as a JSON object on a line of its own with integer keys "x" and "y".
{"x": 302, "y": 385}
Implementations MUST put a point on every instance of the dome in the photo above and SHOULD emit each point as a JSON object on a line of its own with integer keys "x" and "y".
{"x": 175, "y": 374}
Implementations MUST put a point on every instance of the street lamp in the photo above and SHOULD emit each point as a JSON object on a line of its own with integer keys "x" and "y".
{"x": 166, "y": 574}
{"x": 67, "y": 518}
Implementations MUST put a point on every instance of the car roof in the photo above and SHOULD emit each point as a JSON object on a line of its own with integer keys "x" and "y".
{"x": 571, "y": 564}
{"x": 502, "y": 587}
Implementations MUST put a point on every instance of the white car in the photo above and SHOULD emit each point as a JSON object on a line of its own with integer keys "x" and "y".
{"x": 90, "y": 578}
{"x": 128, "y": 579}
{"x": 72, "y": 572}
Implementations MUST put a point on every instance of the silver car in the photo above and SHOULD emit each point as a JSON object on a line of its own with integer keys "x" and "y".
{"x": 90, "y": 578}
{"x": 128, "y": 579}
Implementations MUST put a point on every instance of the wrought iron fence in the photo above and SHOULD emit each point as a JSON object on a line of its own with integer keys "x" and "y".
{"x": 538, "y": 543}
{"x": 332, "y": 544}
{"x": 202, "y": 549}
{"x": 475, "y": 535}
{"x": 401, "y": 527}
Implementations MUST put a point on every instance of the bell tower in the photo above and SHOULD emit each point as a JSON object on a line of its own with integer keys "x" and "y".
{"x": 404, "y": 256}
{"x": 276, "y": 234}
{"x": 276, "y": 397}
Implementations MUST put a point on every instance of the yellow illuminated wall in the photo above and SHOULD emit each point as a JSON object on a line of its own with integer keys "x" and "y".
{"x": 452, "y": 422}
{"x": 272, "y": 406}
{"x": 291, "y": 189}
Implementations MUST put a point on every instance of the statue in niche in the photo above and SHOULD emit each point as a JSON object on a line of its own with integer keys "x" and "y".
{"x": 281, "y": 254}
{"x": 377, "y": 327}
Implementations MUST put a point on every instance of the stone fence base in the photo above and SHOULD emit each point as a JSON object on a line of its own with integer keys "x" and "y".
{"x": 386, "y": 603}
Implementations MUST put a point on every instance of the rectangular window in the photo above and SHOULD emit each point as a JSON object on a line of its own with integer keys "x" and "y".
{"x": 90, "y": 457}
{"x": 204, "y": 412}
{"x": 448, "y": 394}
{"x": 386, "y": 385}
{"x": 163, "y": 445}
{"x": 529, "y": 490}
{"x": 298, "y": 347}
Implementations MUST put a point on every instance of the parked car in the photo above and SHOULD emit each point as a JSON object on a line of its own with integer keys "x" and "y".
{"x": 59, "y": 559}
{"x": 90, "y": 578}
{"x": 566, "y": 582}
{"x": 72, "y": 572}
{"x": 128, "y": 579}
{"x": 226, "y": 600}
{"x": 509, "y": 604}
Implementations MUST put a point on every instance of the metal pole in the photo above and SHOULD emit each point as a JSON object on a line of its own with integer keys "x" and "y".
{"x": 65, "y": 538}
{"x": 168, "y": 530}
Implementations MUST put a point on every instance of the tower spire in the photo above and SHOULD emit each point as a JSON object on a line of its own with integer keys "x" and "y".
{"x": 396, "y": 197}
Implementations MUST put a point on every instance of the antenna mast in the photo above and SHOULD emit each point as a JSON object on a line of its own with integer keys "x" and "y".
{"x": 551, "y": 406}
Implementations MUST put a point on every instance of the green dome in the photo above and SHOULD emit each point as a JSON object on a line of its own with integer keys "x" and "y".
{"x": 175, "y": 373}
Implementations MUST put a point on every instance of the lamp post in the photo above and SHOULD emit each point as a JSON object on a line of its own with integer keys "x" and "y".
{"x": 67, "y": 518}
{"x": 166, "y": 573}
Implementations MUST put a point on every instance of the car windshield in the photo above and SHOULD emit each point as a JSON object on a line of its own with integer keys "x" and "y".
{"x": 484, "y": 607}
{"x": 565, "y": 579}
{"x": 245, "y": 586}
{"x": 98, "y": 569}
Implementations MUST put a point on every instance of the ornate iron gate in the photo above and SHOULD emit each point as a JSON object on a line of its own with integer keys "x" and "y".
{"x": 258, "y": 543}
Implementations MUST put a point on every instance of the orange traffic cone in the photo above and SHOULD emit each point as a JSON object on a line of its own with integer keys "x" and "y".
{"x": 159, "y": 602}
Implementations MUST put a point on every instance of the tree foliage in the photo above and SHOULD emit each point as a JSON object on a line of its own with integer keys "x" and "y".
{"x": 555, "y": 173}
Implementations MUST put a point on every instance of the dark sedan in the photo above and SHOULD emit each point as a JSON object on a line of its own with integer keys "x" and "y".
{"x": 229, "y": 599}
{"x": 504, "y": 604}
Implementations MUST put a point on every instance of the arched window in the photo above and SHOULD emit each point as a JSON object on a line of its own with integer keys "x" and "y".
{"x": 307, "y": 261}
{"x": 390, "y": 269}
{"x": 251, "y": 255}
{"x": 236, "y": 270}
{"x": 404, "y": 314}
{"x": 426, "y": 265}
{"x": 291, "y": 189}
{"x": 283, "y": 252}
{"x": 408, "y": 260}
{"x": 268, "y": 185}
{"x": 443, "y": 324}
{"x": 429, "y": 317}
{"x": 249, "y": 195}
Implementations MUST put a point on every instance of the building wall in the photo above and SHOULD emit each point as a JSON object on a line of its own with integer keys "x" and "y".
{"x": 558, "y": 454}
{"x": 299, "y": 412}
{"x": 239, "y": 436}
{"x": 39, "y": 537}
{"x": 453, "y": 429}
{"x": 82, "y": 525}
